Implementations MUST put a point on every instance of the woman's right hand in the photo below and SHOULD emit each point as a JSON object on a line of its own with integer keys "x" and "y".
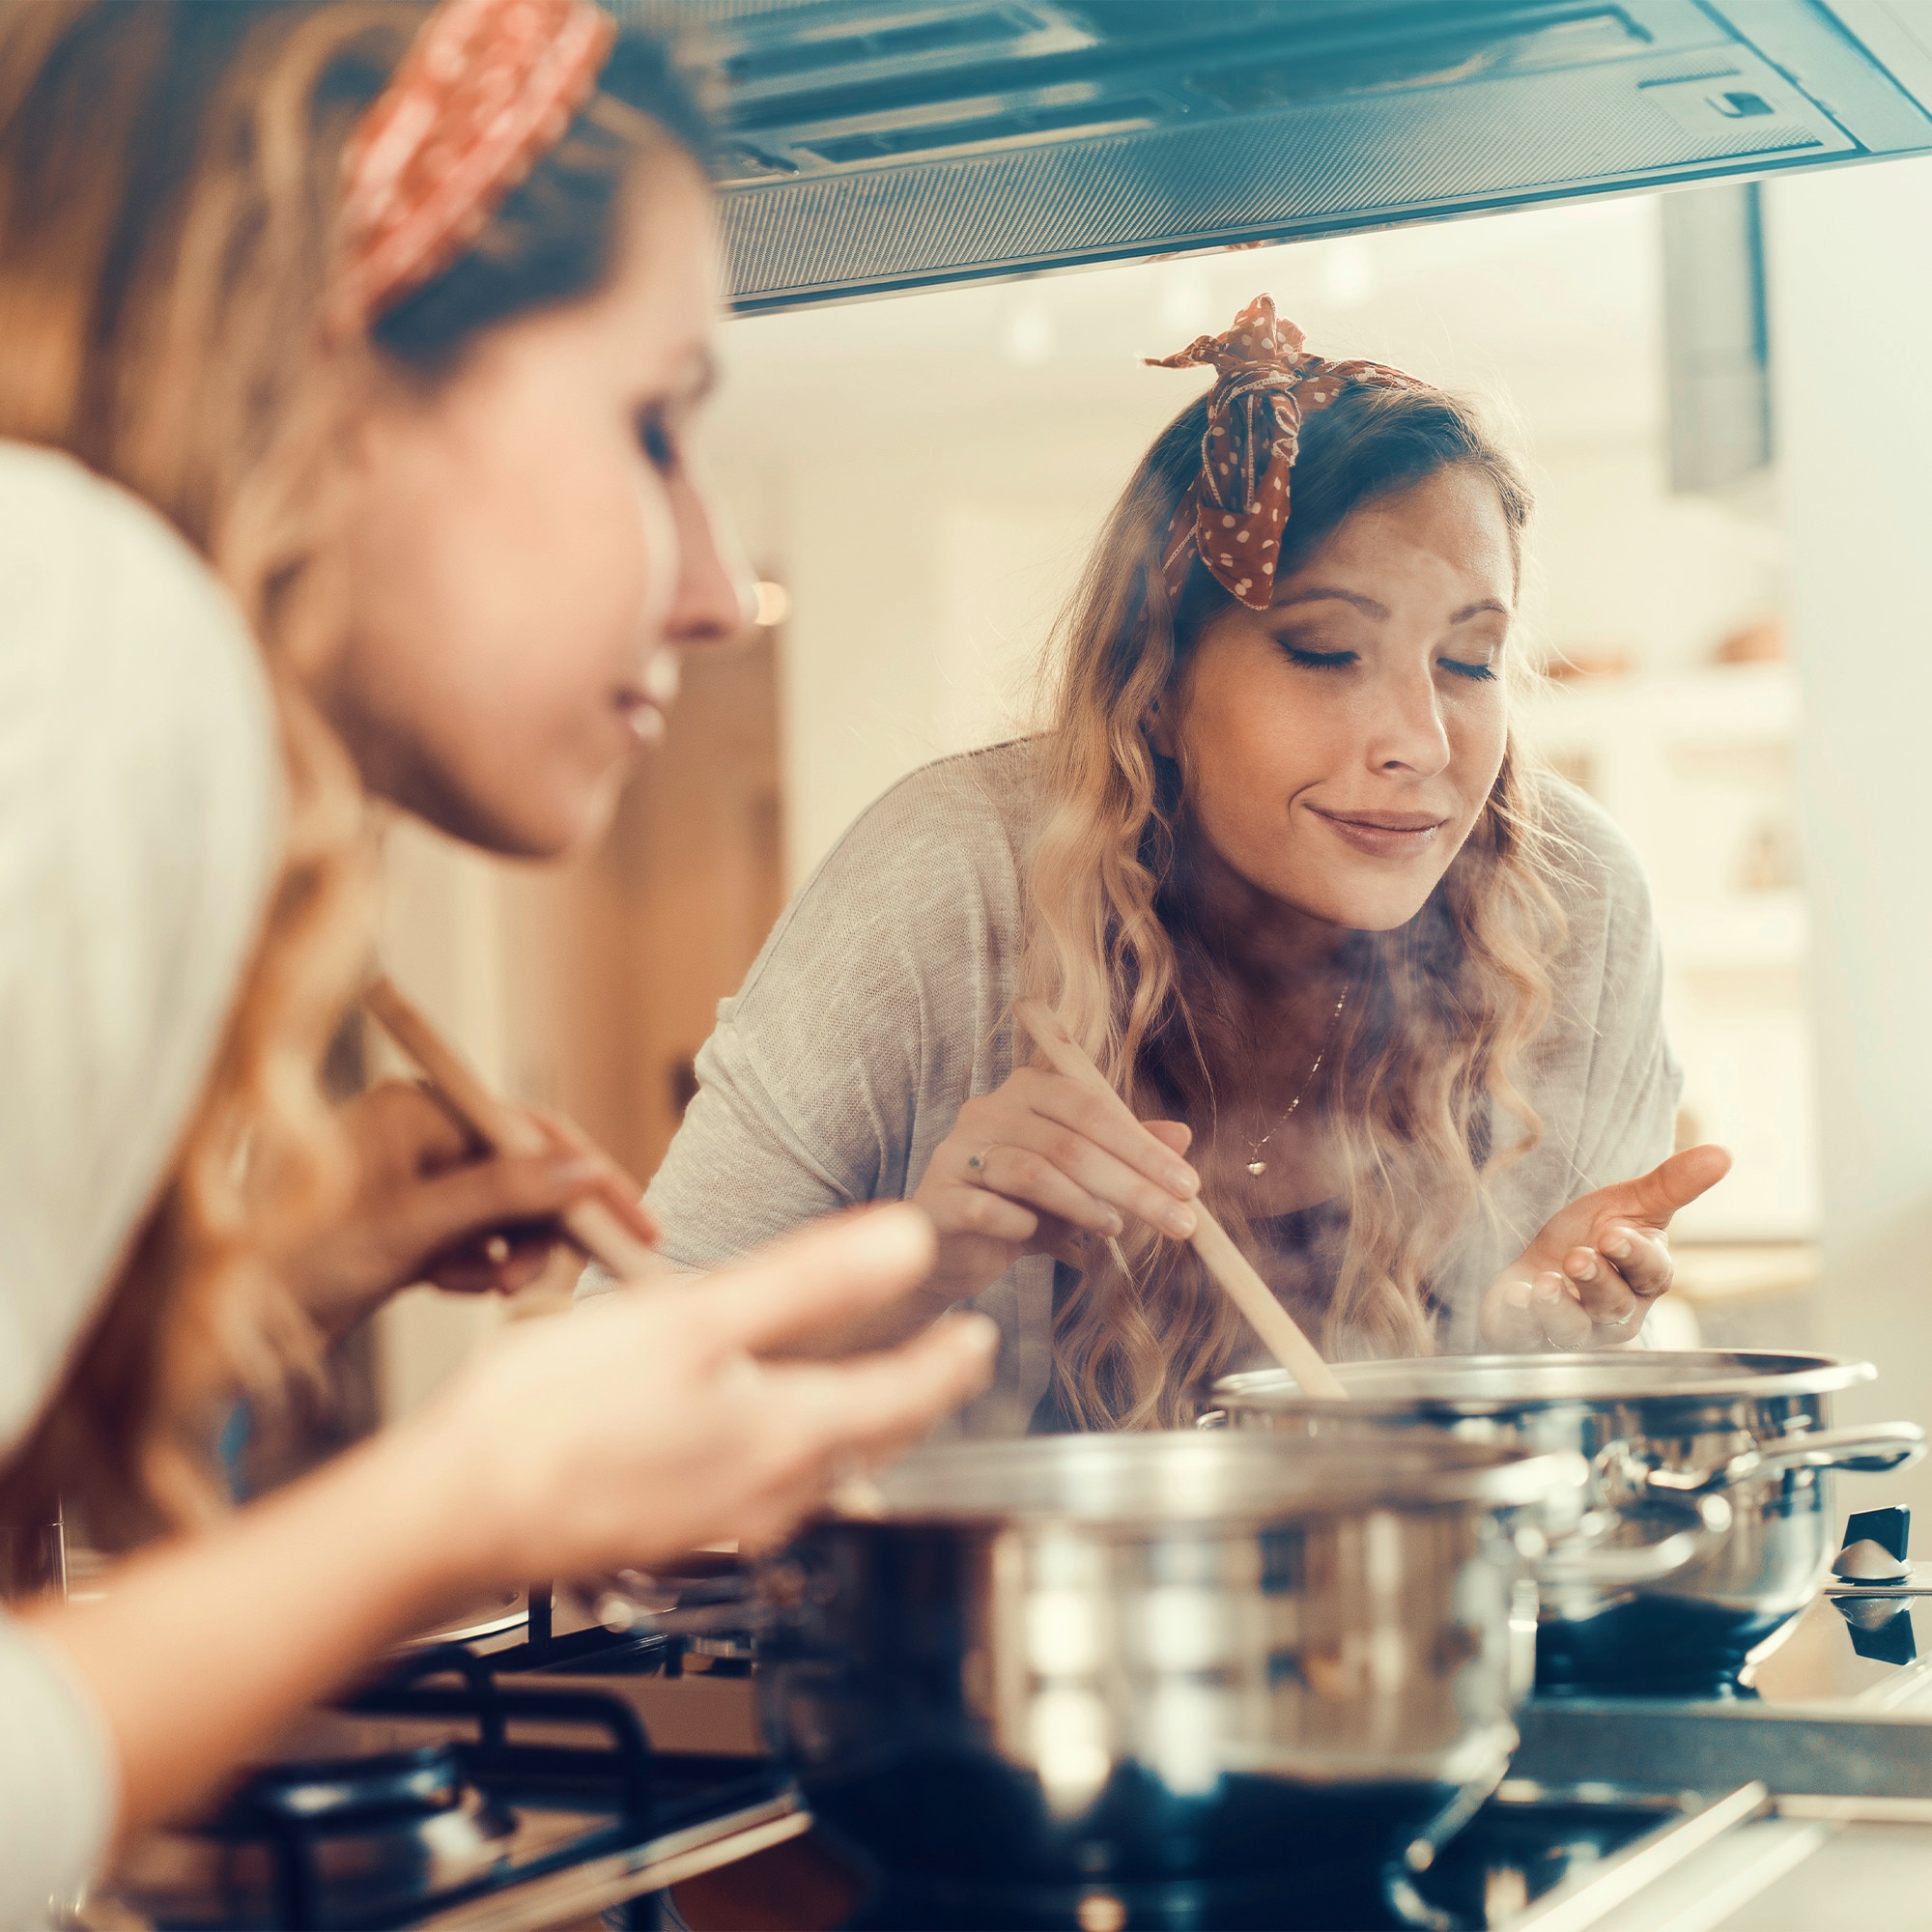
{"x": 654, "y": 1419}
{"x": 1039, "y": 1163}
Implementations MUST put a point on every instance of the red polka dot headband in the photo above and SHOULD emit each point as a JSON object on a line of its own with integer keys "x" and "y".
{"x": 486, "y": 90}
{"x": 1234, "y": 512}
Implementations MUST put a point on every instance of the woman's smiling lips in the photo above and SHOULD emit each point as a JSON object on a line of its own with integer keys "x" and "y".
{"x": 1385, "y": 834}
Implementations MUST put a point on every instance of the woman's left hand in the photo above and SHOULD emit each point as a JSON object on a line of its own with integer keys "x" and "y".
{"x": 1588, "y": 1280}
{"x": 428, "y": 1207}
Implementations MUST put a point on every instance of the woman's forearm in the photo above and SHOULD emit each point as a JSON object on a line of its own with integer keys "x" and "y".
{"x": 203, "y": 1646}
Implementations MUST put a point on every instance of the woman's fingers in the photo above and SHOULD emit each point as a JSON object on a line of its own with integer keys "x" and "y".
{"x": 398, "y": 1126}
{"x": 829, "y": 1417}
{"x": 1653, "y": 1198}
{"x": 1602, "y": 1290}
{"x": 1507, "y": 1322}
{"x": 1109, "y": 1128}
{"x": 503, "y": 1193}
{"x": 878, "y": 1404}
{"x": 1021, "y": 1174}
{"x": 1642, "y": 1259}
{"x": 617, "y": 1189}
{"x": 1560, "y": 1317}
{"x": 981, "y": 1211}
{"x": 851, "y": 1264}
{"x": 1070, "y": 1179}
{"x": 1053, "y": 1166}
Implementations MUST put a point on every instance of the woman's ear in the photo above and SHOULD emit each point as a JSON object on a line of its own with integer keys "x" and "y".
{"x": 1160, "y": 727}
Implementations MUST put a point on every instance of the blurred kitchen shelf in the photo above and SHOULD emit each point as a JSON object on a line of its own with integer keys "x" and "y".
{"x": 1713, "y": 703}
{"x": 1771, "y": 928}
{"x": 1710, "y": 1273}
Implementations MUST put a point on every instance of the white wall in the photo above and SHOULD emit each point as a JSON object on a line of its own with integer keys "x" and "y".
{"x": 1852, "y": 330}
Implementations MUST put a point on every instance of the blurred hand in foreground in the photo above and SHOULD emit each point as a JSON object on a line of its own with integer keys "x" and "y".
{"x": 654, "y": 1419}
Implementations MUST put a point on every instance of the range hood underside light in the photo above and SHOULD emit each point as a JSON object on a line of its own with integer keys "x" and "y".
{"x": 875, "y": 147}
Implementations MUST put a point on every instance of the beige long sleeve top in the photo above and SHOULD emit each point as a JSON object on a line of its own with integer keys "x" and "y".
{"x": 878, "y": 1005}
{"x": 141, "y": 817}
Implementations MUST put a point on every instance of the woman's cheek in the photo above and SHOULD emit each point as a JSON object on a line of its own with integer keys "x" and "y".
{"x": 1479, "y": 736}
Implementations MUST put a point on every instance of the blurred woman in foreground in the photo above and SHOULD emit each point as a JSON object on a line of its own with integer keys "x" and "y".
{"x": 271, "y": 270}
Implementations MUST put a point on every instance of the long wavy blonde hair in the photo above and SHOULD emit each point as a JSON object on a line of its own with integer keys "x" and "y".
{"x": 168, "y": 186}
{"x": 1426, "y": 1063}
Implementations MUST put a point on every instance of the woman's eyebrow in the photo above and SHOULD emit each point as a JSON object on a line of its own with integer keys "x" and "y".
{"x": 1469, "y": 611}
{"x": 1317, "y": 594}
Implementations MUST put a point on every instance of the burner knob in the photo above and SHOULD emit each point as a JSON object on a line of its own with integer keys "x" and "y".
{"x": 1867, "y": 1561}
{"x": 1889, "y": 1528}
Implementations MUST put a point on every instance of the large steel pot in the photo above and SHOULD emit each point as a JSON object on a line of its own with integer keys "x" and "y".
{"x": 1114, "y": 1658}
{"x": 1750, "y": 1427}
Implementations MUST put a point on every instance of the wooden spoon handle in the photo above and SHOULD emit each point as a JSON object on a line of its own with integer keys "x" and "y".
{"x": 1219, "y": 1254}
{"x": 591, "y": 1224}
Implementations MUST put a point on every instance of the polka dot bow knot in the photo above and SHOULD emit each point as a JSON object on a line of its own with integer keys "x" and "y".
{"x": 1234, "y": 512}
{"x": 487, "y": 89}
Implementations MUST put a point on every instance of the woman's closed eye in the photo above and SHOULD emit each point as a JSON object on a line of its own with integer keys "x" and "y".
{"x": 1314, "y": 658}
{"x": 1480, "y": 670}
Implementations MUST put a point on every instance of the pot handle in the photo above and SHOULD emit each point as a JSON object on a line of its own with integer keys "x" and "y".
{"x": 1869, "y": 1448}
{"x": 1700, "y": 1524}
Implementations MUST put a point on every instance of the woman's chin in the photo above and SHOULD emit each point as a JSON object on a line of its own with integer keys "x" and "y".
{"x": 1390, "y": 904}
{"x": 524, "y": 820}
{"x": 575, "y": 822}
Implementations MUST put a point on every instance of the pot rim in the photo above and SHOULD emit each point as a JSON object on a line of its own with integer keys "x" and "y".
{"x": 1735, "y": 1375}
{"x": 1272, "y": 1479}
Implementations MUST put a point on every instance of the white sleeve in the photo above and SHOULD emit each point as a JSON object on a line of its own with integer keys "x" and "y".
{"x": 57, "y": 1781}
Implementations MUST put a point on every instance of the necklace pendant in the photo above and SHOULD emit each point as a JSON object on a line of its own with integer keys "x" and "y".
{"x": 1257, "y": 1167}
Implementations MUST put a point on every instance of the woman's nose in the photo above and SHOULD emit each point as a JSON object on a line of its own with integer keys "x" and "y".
{"x": 1409, "y": 733}
{"x": 714, "y": 595}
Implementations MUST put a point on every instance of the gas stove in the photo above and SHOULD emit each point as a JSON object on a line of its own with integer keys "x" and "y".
{"x": 515, "y": 1776}
{"x": 504, "y": 1780}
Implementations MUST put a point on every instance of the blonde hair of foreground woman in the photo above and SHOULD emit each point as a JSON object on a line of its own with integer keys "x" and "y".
{"x": 1442, "y": 1009}
{"x": 168, "y": 182}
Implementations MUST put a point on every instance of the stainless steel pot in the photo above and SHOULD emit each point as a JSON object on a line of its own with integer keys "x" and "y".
{"x": 1109, "y": 1659}
{"x": 1751, "y": 1428}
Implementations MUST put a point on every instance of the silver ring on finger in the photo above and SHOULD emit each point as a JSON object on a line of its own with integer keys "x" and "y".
{"x": 977, "y": 1163}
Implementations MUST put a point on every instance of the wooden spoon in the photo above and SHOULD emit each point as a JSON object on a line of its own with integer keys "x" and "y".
{"x": 1219, "y": 1254}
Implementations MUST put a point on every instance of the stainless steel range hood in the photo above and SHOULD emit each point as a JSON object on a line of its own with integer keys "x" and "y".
{"x": 878, "y": 144}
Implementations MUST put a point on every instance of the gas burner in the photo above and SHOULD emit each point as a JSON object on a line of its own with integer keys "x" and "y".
{"x": 336, "y": 1843}
{"x": 470, "y": 1792}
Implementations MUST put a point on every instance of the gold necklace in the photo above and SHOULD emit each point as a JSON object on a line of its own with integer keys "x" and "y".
{"x": 1256, "y": 1164}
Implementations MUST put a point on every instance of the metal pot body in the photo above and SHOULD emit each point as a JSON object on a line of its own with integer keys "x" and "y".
{"x": 1159, "y": 1659}
{"x": 1751, "y": 1429}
